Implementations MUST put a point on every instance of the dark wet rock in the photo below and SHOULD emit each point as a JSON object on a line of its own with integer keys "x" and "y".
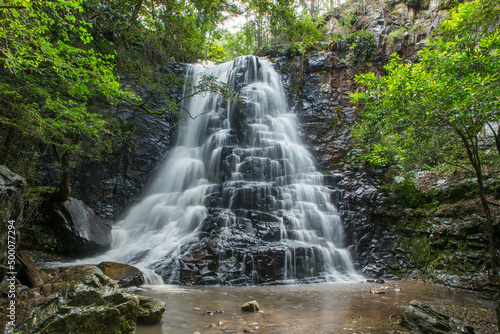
{"x": 12, "y": 188}
{"x": 111, "y": 185}
{"x": 150, "y": 311}
{"x": 251, "y": 306}
{"x": 79, "y": 231}
{"x": 125, "y": 275}
{"x": 425, "y": 319}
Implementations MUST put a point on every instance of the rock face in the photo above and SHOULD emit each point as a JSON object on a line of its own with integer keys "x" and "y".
{"x": 79, "y": 230}
{"x": 79, "y": 300}
{"x": 12, "y": 187}
{"x": 437, "y": 234}
{"x": 425, "y": 319}
{"x": 124, "y": 274}
{"x": 111, "y": 185}
{"x": 319, "y": 85}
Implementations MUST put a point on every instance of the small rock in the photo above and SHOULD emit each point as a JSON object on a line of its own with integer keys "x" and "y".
{"x": 377, "y": 291}
{"x": 251, "y": 306}
{"x": 150, "y": 310}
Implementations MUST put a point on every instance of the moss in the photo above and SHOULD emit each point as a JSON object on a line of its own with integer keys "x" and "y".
{"x": 337, "y": 121}
{"x": 463, "y": 190}
{"x": 421, "y": 4}
{"x": 396, "y": 34}
{"x": 421, "y": 250}
{"x": 494, "y": 189}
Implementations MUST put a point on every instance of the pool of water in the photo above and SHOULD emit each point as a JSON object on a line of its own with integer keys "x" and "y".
{"x": 313, "y": 308}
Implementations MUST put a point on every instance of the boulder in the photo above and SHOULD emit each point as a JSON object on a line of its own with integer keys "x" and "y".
{"x": 80, "y": 299}
{"x": 12, "y": 187}
{"x": 79, "y": 231}
{"x": 251, "y": 306}
{"x": 425, "y": 319}
{"x": 150, "y": 311}
{"x": 125, "y": 275}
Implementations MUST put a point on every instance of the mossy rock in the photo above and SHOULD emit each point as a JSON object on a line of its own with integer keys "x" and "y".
{"x": 80, "y": 299}
{"x": 151, "y": 311}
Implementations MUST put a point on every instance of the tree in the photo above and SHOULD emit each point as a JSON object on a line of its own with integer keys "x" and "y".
{"x": 50, "y": 77}
{"x": 423, "y": 113}
{"x": 57, "y": 66}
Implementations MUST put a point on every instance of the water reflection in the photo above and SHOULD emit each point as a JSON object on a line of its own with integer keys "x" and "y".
{"x": 315, "y": 308}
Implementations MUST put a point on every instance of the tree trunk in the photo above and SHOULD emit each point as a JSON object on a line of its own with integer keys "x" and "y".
{"x": 473, "y": 155}
{"x": 496, "y": 136}
{"x": 34, "y": 276}
{"x": 7, "y": 144}
{"x": 135, "y": 13}
{"x": 489, "y": 227}
{"x": 63, "y": 189}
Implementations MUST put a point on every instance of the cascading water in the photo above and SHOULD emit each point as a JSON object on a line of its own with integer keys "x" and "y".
{"x": 238, "y": 200}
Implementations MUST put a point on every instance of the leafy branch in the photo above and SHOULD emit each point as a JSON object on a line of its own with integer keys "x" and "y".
{"x": 206, "y": 85}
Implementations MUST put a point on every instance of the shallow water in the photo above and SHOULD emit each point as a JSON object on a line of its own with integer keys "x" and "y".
{"x": 314, "y": 308}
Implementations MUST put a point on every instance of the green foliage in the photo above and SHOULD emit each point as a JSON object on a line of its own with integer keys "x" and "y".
{"x": 417, "y": 3}
{"x": 232, "y": 45}
{"x": 49, "y": 73}
{"x": 277, "y": 26}
{"x": 421, "y": 113}
{"x": 435, "y": 111}
{"x": 353, "y": 48}
{"x": 348, "y": 18}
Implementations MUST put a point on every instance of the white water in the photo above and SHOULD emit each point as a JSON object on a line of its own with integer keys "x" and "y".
{"x": 267, "y": 169}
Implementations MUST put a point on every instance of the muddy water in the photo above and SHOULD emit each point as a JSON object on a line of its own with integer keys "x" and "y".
{"x": 315, "y": 308}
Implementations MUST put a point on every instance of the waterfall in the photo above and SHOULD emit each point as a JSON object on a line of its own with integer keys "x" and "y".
{"x": 238, "y": 200}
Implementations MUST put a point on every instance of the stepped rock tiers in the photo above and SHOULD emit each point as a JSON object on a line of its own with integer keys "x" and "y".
{"x": 238, "y": 201}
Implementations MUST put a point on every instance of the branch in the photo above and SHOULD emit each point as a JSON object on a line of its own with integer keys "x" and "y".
{"x": 492, "y": 203}
{"x": 496, "y": 136}
{"x": 163, "y": 111}
{"x": 12, "y": 7}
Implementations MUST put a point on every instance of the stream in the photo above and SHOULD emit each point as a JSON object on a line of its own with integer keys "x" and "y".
{"x": 308, "y": 308}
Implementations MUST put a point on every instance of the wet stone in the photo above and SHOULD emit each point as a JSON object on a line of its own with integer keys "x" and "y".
{"x": 125, "y": 275}
{"x": 424, "y": 318}
{"x": 251, "y": 306}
